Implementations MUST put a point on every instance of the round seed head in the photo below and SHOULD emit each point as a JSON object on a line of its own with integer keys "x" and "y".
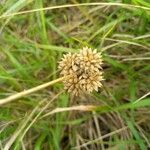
{"x": 84, "y": 71}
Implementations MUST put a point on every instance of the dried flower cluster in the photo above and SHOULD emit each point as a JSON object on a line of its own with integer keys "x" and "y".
{"x": 83, "y": 71}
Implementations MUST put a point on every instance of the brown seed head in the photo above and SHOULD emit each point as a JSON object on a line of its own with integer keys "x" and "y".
{"x": 84, "y": 70}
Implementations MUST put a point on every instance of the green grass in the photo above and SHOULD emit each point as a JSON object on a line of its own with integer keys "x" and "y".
{"x": 32, "y": 43}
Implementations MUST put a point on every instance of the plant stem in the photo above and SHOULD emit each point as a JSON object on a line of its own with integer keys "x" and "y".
{"x": 29, "y": 91}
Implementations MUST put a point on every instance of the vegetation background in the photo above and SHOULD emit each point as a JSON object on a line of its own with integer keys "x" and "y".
{"x": 33, "y": 37}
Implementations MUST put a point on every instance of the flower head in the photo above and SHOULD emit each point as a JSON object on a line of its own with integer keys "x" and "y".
{"x": 84, "y": 71}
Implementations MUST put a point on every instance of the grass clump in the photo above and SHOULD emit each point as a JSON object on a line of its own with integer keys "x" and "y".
{"x": 35, "y": 35}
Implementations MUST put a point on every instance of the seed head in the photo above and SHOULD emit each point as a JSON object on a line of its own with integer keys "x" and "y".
{"x": 83, "y": 69}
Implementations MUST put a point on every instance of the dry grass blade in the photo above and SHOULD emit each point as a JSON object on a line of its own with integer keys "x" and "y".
{"x": 72, "y": 5}
{"x": 142, "y": 97}
{"x": 80, "y": 108}
{"x": 143, "y": 135}
{"x": 138, "y": 58}
{"x": 29, "y": 91}
{"x": 98, "y": 130}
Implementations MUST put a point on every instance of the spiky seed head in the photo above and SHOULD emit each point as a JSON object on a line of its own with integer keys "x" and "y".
{"x": 83, "y": 69}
